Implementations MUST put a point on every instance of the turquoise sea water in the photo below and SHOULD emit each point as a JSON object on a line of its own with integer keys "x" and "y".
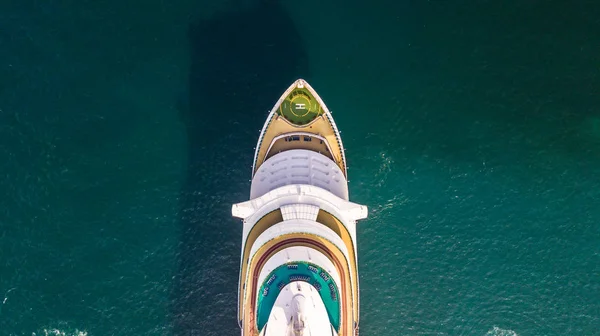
{"x": 472, "y": 131}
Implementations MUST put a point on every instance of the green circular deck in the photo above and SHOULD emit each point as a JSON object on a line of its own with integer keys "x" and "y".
{"x": 298, "y": 271}
{"x": 300, "y": 107}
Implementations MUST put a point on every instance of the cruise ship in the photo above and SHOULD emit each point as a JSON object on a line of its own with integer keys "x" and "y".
{"x": 298, "y": 269}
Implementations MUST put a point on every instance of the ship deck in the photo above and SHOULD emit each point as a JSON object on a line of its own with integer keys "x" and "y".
{"x": 296, "y": 141}
{"x": 300, "y": 110}
{"x": 251, "y": 268}
{"x": 349, "y": 311}
{"x": 300, "y": 107}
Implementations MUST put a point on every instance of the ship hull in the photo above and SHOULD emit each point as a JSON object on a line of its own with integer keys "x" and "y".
{"x": 298, "y": 269}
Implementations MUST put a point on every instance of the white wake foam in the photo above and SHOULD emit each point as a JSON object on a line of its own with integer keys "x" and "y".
{"x": 58, "y": 332}
{"x": 385, "y": 167}
{"x": 500, "y": 332}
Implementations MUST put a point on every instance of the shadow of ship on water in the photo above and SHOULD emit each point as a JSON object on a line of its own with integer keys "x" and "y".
{"x": 241, "y": 61}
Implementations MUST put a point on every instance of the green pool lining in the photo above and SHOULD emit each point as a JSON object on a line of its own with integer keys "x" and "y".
{"x": 298, "y": 271}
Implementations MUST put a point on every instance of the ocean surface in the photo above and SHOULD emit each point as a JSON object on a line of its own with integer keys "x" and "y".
{"x": 472, "y": 131}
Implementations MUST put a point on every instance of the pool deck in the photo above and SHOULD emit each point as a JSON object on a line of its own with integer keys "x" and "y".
{"x": 349, "y": 311}
{"x": 247, "y": 279}
{"x": 313, "y": 274}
